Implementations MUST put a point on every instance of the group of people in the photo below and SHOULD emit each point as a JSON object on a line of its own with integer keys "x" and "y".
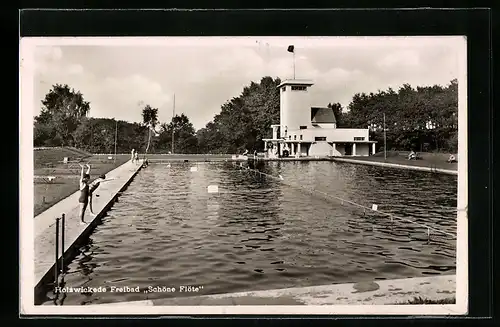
{"x": 413, "y": 156}
{"x": 134, "y": 156}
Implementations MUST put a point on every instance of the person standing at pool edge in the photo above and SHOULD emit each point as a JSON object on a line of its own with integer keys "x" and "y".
{"x": 84, "y": 193}
{"x": 93, "y": 186}
{"x": 132, "y": 157}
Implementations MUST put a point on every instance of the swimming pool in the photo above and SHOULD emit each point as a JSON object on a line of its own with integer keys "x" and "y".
{"x": 257, "y": 233}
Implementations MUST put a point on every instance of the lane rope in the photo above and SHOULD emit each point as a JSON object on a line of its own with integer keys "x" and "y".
{"x": 342, "y": 201}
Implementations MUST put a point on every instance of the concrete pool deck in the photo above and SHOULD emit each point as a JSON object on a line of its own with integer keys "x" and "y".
{"x": 379, "y": 292}
{"x": 44, "y": 223}
{"x": 428, "y": 168}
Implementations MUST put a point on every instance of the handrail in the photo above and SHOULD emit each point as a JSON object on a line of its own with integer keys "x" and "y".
{"x": 60, "y": 238}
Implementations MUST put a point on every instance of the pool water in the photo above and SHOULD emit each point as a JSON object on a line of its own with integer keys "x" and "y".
{"x": 257, "y": 233}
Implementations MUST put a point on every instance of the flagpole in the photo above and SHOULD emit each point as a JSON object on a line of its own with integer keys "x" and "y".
{"x": 291, "y": 48}
{"x": 173, "y": 133}
{"x": 385, "y": 141}
{"x": 116, "y": 136}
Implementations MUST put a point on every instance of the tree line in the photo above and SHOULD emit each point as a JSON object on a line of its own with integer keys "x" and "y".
{"x": 64, "y": 121}
{"x": 424, "y": 118}
{"x": 421, "y": 118}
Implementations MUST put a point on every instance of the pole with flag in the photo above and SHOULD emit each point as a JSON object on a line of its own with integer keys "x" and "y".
{"x": 291, "y": 48}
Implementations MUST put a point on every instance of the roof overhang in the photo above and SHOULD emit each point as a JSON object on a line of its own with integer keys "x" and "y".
{"x": 306, "y": 82}
{"x": 352, "y": 142}
{"x": 273, "y": 140}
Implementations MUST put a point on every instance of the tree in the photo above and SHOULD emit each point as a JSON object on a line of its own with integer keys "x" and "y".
{"x": 337, "y": 111}
{"x": 416, "y": 118}
{"x": 243, "y": 121}
{"x": 150, "y": 116}
{"x": 97, "y": 135}
{"x": 209, "y": 138}
{"x": 184, "y": 136}
{"x": 63, "y": 109}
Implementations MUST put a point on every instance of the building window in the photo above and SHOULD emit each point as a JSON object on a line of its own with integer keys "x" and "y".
{"x": 289, "y": 137}
{"x": 303, "y": 127}
{"x": 359, "y": 138}
{"x": 320, "y": 138}
{"x": 283, "y": 88}
{"x": 295, "y": 137}
{"x": 298, "y": 88}
{"x": 301, "y": 137}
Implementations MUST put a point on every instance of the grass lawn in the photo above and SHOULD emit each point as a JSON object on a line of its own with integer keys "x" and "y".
{"x": 49, "y": 163}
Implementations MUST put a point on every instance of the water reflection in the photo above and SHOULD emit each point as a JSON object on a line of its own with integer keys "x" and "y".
{"x": 258, "y": 233}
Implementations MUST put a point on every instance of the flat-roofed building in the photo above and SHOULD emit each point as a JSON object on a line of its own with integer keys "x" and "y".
{"x": 304, "y": 130}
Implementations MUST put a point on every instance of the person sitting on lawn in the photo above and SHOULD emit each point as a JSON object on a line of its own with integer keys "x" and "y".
{"x": 452, "y": 159}
{"x": 412, "y": 155}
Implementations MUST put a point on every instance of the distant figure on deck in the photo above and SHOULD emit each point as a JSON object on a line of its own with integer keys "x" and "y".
{"x": 136, "y": 157}
{"x": 132, "y": 155}
{"x": 452, "y": 159}
{"x": 93, "y": 186}
{"x": 84, "y": 193}
{"x": 145, "y": 163}
{"x": 412, "y": 155}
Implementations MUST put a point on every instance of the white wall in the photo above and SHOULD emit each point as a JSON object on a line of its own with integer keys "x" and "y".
{"x": 295, "y": 109}
{"x": 324, "y": 125}
{"x": 332, "y": 135}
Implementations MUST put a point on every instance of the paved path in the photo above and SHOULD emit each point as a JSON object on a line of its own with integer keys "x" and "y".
{"x": 44, "y": 223}
{"x": 396, "y": 291}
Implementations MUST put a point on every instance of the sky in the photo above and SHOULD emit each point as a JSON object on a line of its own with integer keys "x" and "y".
{"x": 119, "y": 76}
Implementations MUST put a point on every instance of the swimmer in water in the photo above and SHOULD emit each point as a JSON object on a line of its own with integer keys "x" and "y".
{"x": 84, "y": 193}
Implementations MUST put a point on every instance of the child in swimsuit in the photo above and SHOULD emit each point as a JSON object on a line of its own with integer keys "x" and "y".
{"x": 84, "y": 193}
{"x": 93, "y": 186}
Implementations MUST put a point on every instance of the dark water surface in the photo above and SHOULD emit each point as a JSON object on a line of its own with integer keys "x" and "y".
{"x": 258, "y": 233}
